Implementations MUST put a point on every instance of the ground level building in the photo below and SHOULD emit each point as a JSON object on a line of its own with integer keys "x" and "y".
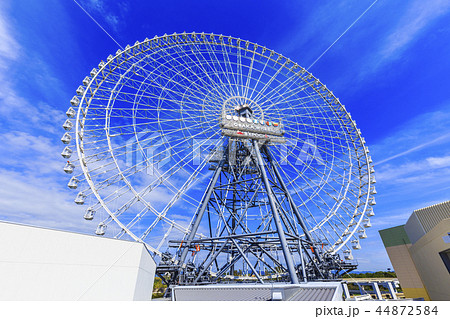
{"x": 420, "y": 252}
{"x": 44, "y": 264}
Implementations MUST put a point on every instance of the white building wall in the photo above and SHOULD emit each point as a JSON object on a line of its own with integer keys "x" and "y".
{"x": 44, "y": 264}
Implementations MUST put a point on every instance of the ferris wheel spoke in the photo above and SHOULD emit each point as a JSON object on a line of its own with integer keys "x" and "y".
{"x": 240, "y": 72}
{"x": 182, "y": 65}
{"x": 161, "y": 75}
{"x": 218, "y": 67}
{"x": 229, "y": 71}
{"x": 163, "y": 178}
{"x": 201, "y": 61}
{"x": 269, "y": 82}
{"x": 293, "y": 89}
{"x": 179, "y": 194}
{"x": 272, "y": 94}
{"x": 249, "y": 75}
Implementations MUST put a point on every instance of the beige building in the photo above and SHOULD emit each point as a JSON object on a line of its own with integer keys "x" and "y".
{"x": 420, "y": 252}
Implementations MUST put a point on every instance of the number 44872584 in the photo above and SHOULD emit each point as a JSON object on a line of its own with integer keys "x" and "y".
{"x": 407, "y": 310}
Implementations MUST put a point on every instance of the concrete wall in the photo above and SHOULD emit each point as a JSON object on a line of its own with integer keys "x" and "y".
{"x": 44, "y": 264}
{"x": 429, "y": 264}
{"x": 397, "y": 246}
{"x": 406, "y": 271}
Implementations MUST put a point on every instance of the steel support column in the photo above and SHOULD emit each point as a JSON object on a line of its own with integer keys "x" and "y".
{"x": 346, "y": 292}
{"x": 291, "y": 201}
{"x": 201, "y": 211}
{"x": 286, "y": 252}
{"x": 392, "y": 290}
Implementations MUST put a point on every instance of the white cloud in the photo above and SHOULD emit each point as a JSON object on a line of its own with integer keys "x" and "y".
{"x": 34, "y": 155}
{"x": 411, "y": 27}
{"x": 438, "y": 162}
{"x": 33, "y": 184}
{"x": 99, "y": 7}
{"x": 414, "y": 168}
{"x": 39, "y": 201}
{"x": 416, "y": 157}
{"x": 427, "y": 131}
{"x": 422, "y": 169}
{"x": 417, "y": 18}
{"x": 437, "y": 140}
{"x": 9, "y": 48}
{"x": 20, "y": 112}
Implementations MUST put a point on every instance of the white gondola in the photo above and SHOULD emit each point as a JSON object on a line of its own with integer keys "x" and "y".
{"x": 93, "y": 72}
{"x": 71, "y": 113}
{"x": 74, "y": 101}
{"x": 348, "y": 256}
{"x": 101, "y": 228}
{"x": 66, "y": 138}
{"x": 73, "y": 183}
{"x": 67, "y": 125}
{"x": 372, "y": 202}
{"x": 79, "y": 200}
{"x": 80, "y": 90}
{"x": 373, "y": 191}
{"x": 69, "y": 167}
{"x": 355, "y": 244}
{"x": 89, "y": 215}
{"x": 67, "y": 152}
{"x": 370, "y": 214}
{"x": 373, "y": 180}
{"x": 362, "y": 234}
{"x": 370, "y": 159}
{"x": 86, "y": 81}
{"x": 367, "y": 223}
{"x": 372, "y": 170}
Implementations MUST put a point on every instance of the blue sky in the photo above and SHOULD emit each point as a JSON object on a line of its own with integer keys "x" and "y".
{"x": 390, "y": 69}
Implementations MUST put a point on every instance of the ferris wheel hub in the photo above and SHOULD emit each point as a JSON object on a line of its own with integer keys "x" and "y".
{"x": 241, "y": 104}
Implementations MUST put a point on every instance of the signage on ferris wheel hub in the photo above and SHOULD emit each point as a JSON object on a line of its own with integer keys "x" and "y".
{"x": 250, "y": 128}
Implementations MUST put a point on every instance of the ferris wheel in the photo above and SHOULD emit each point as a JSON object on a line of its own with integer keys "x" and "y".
{"x": 150, "y": 127}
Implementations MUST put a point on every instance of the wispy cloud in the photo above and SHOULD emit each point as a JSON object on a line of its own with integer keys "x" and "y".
{"x": 440, "y": 139}
{"x": 413, "y": 172}
{"x": 412, "y": 179}
{"x": 427, "y": 131}
{"x": 39, "y": 201}
{"x": 9, "y": 48}
{"x": 99, "y": 7}
{"x": 402, "y": 25}
{"x": 397, "y": 39}
{"x": 31, "y": 175}
{"x": 17, "y": 109}
{"x": 417, "y": 155}
{"x": 416, "y": 19}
